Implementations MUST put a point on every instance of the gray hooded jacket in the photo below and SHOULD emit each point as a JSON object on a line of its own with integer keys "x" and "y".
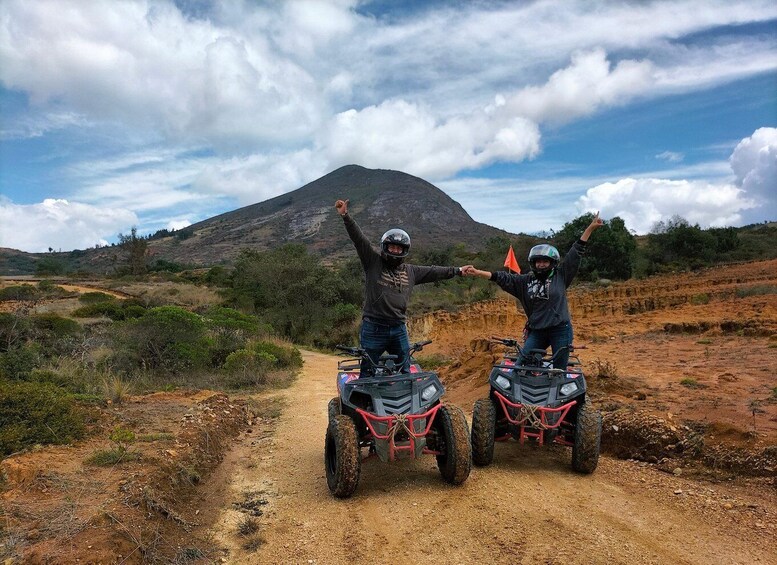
{"x": 544, "y": 301}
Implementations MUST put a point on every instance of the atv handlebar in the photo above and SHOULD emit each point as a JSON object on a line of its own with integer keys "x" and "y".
{"x": 532, "y": 356}
{"x": 361, "y": 354}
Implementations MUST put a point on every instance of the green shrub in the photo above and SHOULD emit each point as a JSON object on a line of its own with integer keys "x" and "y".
{"x": 95, "y": 297}
{"x": 54, "y": 325}
{"x": 432, "y": 362}
{"x": 110, "y": 310}
{"x": 116, "y": 310}
{"x": 13, "y": 330}
{"x": 285, "y": 357}
{"x": 168, "y": 338}
{"x": 32, "y": 413}
{"x": 757, "y": 290}
{"x": 19, "y": 292}
{"x": 699, "y": 299}
{"x": 691, "y": 383}
{"x": 17, "y": 363}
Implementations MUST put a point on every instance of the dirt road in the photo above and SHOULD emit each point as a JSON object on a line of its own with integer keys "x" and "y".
{"x": 528, "y": 507}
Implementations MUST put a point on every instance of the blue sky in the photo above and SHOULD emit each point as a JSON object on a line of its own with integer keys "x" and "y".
{"x": 161, "y": 113}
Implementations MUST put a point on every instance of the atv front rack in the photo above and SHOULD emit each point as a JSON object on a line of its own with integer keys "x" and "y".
{"x": 534, "y": 420}
{"x": 400, "y": 424}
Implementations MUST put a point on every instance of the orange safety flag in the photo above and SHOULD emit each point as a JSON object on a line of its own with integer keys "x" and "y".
{"x": 510, "y": 261}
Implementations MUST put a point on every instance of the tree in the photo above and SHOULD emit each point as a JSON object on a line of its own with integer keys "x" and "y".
{"x": 293, "y": 292}
{"x": 677, "y": 244}
{"x": 136, "y": 249}
{"x": 611, "y": 250}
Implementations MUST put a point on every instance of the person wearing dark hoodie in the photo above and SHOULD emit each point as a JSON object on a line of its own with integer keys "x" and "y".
{"x": 543, "y": 294}
{"x": 389, "y": 281}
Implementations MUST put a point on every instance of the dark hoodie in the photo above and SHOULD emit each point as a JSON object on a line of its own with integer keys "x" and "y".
{"x": 544, "y": 297}
{"x": 389, "y": 283}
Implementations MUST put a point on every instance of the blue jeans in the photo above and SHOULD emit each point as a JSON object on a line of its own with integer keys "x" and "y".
{"x": 376, "y": 337}
{"x": 556, "y": 337}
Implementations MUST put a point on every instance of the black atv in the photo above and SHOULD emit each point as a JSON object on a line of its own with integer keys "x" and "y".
{"x": 529, "y": 399}
{"x": 391, "y": 415}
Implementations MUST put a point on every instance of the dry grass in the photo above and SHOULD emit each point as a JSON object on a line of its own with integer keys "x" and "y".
{"x": 247, "y": 526}
{"x": 171, "y": 293}
{"x": 604, "y": 369}
{"x": 116, "y": 389}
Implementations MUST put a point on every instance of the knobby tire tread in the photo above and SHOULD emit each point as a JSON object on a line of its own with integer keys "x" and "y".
{"x": 483, "y": 431}
{"x": 343, "y": 438}
{"x": 588, "y": 436}
{"x": 456, "y": 463}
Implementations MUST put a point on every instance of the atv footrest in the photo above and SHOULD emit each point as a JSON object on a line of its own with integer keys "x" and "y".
{"x": 412, "y": 426}
{"x": 534, "y": 420}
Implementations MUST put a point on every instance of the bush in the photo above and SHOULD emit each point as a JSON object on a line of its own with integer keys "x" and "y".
{"x": 19, "y": 292}
{"x": 54, "y": 326}
{"x": 284, "y": 357}
{"x": 17, "y": 363}
{"x": 13, "y": 330}
{"x": 32, "y": 413}
{"x": 699, "y": 299}
{"x": 757, "y": 290}
{"x": 251, "y": 366}
{"x": 168, "y": 338}
{"x": 110, "y": 310}
{"x": 113, "y": 309}
{"x": 95, "y": 297}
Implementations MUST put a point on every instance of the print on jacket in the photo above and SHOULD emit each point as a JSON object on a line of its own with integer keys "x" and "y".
{"x": 393, "y": 278}
{"x": 539, "y": 290}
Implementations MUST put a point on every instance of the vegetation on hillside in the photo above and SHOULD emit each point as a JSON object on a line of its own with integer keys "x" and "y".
{"x": 53, "y": 367}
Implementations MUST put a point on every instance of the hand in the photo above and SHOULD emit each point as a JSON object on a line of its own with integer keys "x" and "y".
{"x": 463, "y": 270}
{"x": 597, "y": 222}
{"x": 342, "y": 207}
{"x": 469, "y": 271}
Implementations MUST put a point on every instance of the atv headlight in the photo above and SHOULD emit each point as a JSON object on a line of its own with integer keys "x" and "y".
{"x": 502, "y": 382}
{"x": 428, "y": 393}
{"x": 568, "y": 389}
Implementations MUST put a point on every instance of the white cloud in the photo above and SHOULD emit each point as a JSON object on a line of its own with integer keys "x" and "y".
{"x": 754, "y": 162}
{"x": 178, "y": 224}
{"x": 588, "y": 84}
{"x": 752, "y": 196}
{"x": 276, "y": 94}
{"x": 250, "y": 76}
{"x": 26, "y": 127}
{"x": 671, "y": 156}
{"x": 405, "y": 136}
{"x": 59, "y": 224}
{"x": 643, "y": 202}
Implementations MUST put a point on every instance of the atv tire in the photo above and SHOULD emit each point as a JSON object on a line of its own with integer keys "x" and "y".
{"x": 341, "y": 456}
{"x": 483, "y": 431}
{"x": 334, "y": 408}
{"x": 455, "y": 461}
{"x": 588, "y": 437}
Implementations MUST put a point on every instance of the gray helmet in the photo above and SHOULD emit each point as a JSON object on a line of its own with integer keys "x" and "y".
{"x": 395, "y": 237}
{"x": 543, "y": 251}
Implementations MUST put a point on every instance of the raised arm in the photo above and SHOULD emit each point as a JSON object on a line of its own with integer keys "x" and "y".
{"x": 363, "y": 247}
{"x": 595, "y": 224}
{"x": 571, "y": 263}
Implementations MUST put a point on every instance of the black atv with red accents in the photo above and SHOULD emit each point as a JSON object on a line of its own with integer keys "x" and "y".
{"x": 531, "y": 400}
{"x": 391, "y": 415}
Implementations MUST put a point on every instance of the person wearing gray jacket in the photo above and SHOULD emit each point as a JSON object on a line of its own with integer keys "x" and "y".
{"x": 389, "y": 281}
{"x": 543, "y": 294}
